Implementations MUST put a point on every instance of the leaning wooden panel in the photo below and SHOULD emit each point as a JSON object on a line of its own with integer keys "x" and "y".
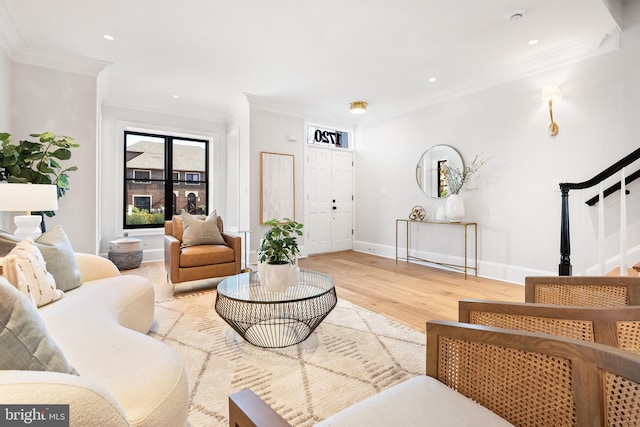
{"x": 583, "y": 290}
{"x": 529, "y": 378}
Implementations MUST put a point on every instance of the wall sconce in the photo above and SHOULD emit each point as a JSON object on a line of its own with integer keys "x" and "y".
{"x": 550, "y": 94}
{"x": 358, "y": 107}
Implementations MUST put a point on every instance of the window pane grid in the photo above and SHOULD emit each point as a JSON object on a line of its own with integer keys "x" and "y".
{"x": 151, "y": 195}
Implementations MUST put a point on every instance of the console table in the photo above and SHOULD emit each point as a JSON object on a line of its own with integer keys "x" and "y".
{"x": 465, "y": 225}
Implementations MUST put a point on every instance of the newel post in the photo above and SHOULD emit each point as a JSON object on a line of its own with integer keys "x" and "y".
{"x": 564, "y": 269}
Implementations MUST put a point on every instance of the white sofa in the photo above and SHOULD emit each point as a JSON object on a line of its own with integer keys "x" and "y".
{"x": 126, "y": 378}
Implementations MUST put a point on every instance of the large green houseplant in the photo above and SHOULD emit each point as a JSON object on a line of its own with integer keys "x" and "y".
{"x": 37, "y": 162}
{"x": 278, "y": 253}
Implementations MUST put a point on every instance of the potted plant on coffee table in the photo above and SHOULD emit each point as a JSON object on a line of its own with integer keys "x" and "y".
{"x": 277, "y": 254}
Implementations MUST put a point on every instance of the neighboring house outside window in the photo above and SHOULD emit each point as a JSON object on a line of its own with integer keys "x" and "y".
{"x": 150, "y": 197}
{"x": 192, "y": 178}
{"x": 142, "y": 176}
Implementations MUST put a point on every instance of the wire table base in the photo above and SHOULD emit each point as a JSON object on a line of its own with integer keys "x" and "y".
{"x": 275, "y": 319}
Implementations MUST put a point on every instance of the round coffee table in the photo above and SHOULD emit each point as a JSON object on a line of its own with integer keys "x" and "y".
{"x": 275, "y": 319}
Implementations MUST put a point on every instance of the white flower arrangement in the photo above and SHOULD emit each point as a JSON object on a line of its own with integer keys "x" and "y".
{"x": 457, "y": 179}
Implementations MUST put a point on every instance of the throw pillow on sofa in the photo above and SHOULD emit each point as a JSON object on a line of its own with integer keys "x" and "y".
{"x": 61, "y": 261}
{"x": 58, "y": 253}
{"x": 41, "y": 284}
{"x": 24, "y": 340}
{"x": 15, "y": 276}
{"x": 199, "y": 232}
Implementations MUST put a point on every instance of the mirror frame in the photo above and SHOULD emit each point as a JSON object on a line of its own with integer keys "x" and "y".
{"x": 449, "y": 154}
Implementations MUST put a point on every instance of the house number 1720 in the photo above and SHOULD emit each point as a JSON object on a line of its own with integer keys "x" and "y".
{"x": 327, "y": 137}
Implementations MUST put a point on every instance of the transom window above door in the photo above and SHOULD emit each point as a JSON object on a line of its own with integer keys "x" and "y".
{"x": 329, "y": 137}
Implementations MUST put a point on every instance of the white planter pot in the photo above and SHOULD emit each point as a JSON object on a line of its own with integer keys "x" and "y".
{"x": 261, "y": 272}
{"x": 454, "y": 208}
{"x": 294, "y": 276}
{"x": 277, "y": 277}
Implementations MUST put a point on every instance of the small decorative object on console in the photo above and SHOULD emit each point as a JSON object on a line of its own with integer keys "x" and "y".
{"x": 417, "y": 213}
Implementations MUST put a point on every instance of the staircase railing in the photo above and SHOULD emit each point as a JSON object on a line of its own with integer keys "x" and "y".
{"x": 565, "y": 268}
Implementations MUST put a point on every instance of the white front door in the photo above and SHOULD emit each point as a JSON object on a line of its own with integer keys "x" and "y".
{"x": 342, "y": 200}
{"x": 329, "y": 200}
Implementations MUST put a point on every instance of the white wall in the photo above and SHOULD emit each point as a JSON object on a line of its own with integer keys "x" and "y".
{"x": 64, "y": 103}
{"x": 5, "y": 90}
{"x": 269, "y": 131}
{"x": 6, "y": 221}
{"x": 515, "y": 205}
{"x": 114, "y": 119}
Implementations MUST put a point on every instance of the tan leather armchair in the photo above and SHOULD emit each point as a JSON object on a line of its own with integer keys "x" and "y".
{"x": 184, "y": 264}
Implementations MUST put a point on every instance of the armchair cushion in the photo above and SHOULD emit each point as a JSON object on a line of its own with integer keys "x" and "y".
{"x": 25, "y": 342}
{"x": 195, "y": 256}
{"x": 198, "y": 232}
{"x": 411, "y": 403}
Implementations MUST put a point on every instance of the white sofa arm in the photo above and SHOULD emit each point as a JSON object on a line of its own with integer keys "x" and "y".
{"x": 94, "y": 267}
{"x": 88, "y": 403}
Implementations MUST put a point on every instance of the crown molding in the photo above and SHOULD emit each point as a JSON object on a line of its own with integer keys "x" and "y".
{"x": 11, "y": 38}
{"x": 15, "y": 46}
{"x": 213, "y": 117}
{"x": 72, "y": 64}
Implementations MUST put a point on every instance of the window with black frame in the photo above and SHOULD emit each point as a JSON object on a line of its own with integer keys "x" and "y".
{"x": 163, "y": 175}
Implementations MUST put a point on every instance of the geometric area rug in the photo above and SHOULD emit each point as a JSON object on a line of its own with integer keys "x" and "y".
{"x": 353, "y": 354}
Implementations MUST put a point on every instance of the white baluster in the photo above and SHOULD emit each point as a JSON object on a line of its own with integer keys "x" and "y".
{"x": 623, "y": 224}
{"x": 601, "y": 228}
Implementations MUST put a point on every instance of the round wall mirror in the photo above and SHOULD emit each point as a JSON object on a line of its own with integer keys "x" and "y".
{"x": 430, "y": 171}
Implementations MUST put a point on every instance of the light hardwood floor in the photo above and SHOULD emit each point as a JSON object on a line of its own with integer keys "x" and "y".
{"x": 408, "y": 293}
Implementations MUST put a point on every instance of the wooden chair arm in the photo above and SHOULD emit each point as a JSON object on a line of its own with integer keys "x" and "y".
{"x": 583, "y": 290}
{"x": 246, "y": 409}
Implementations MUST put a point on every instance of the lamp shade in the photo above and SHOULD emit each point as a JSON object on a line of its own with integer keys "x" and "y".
{"x": 550, "y": 93}
{"x": 28, "y": 197}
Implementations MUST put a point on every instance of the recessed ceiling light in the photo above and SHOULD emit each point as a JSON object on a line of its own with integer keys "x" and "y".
{"x": 432, "y": 79}
{"x": 176, "y": 96}
{"x": 533, "y": 41}
{"x": 109, "y": 37}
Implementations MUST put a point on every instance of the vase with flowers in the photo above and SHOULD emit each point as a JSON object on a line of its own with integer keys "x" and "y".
{"x": 457, "y": 179}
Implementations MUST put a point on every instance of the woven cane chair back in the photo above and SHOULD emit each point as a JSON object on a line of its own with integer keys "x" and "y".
{"x": 535, "y": 379}
{"x": 615, "y": 326}
{"x": 593, "y": 291}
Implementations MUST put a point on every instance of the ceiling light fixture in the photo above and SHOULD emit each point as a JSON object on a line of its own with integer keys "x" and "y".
{"x": 432, "y": 79}
{"x": 358, "y": 107}
{"x": 551, "y": 93}
{"x": 109, "y": 37}
{"x": 533, "y": 41}
{"x": 176, "y": 96}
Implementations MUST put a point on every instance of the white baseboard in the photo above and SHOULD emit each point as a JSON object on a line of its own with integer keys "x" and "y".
{"x": 489, "y": 270}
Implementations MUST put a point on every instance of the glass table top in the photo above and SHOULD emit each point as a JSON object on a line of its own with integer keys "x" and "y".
{"x": 247, "y": 287}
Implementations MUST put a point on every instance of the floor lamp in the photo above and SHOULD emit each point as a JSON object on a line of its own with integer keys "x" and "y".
{"x": 28, "y": 197}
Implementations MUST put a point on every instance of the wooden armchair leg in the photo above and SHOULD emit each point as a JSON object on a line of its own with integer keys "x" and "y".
{"x": 246, "y": 409}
